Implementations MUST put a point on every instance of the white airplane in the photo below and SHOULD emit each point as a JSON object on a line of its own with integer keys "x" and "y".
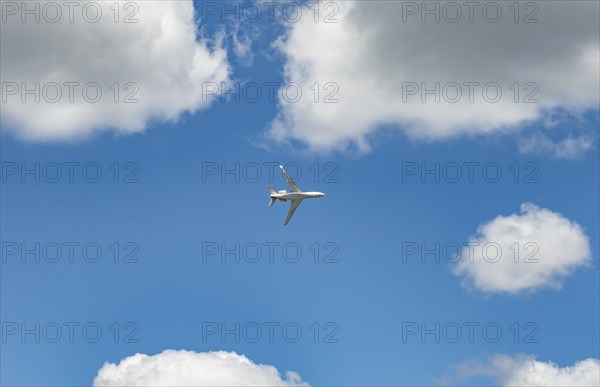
{"x": 296, "y": 196}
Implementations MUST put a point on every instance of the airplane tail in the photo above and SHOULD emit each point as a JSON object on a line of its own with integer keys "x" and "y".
{"x": 272, "y": 198}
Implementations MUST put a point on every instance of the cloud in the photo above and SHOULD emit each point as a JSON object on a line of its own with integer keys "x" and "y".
{"x": 523, "y": 252}
{"x": 524, "y": 370}
{"x": 568, "y": 148}
{"x": 188, "y": 368}
{"x": 242, "y": 46}
{"x": 160, "y": 60}
{"x": 378, "y": 52}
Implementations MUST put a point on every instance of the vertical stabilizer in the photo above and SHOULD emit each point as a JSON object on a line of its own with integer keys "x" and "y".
{"x": 272, "y": 198}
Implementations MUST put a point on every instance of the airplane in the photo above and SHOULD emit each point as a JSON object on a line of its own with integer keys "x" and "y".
{"x": 296, "y": 196}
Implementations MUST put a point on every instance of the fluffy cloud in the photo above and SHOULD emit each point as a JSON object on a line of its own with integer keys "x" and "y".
{"x": 524, "y": 370}
{"x": 523, "y": 252}
{"x": 379, "y": 51}
{"x": 156, "y": 57}
{"x": 187, "y": 368}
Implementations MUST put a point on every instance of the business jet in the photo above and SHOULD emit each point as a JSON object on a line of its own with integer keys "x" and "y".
{"x": 296, "y": 196}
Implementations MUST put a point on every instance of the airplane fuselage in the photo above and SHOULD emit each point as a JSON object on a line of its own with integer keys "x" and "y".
{"x": 297, "y": 195}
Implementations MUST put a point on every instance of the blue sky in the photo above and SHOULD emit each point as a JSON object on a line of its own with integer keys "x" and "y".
{"x": 371, "y": 210}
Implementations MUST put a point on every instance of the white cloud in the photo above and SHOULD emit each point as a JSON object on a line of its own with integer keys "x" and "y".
{"x": 242, "y": 46}
{"x": 523, "y": 252}
{"x": 188, "y": 368}
{"x": 161, "y": 53}
{"x": 568, "y": 148}
{"x": 371, "y": 54}
{"x": 524, "y": 370}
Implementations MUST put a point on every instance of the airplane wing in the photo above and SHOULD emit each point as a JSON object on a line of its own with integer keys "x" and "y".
{"x": 290, "y": 182}
{"x": 295, "y": 203}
